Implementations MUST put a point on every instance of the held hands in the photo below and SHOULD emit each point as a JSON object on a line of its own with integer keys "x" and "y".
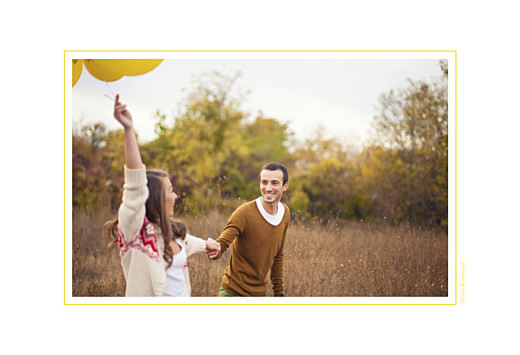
{"x": 121, "y": 114}
{"x": 212, "y": 248}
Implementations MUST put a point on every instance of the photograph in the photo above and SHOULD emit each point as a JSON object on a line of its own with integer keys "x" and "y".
{"x": 294, "y": 177}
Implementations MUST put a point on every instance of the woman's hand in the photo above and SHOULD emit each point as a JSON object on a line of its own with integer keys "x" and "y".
{"x": 121, "y": 114}
{"x": 212, "y": 248}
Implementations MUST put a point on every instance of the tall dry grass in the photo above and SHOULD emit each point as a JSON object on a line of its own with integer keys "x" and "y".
{"x": 96, "y": 270}
{"x": 322, "y": 258}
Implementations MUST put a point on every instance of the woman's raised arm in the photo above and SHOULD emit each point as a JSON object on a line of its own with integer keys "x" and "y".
{"x": 135, "y": 193}
{"x": 132, "y": 155}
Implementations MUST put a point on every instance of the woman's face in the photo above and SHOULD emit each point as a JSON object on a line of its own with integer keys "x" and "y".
{"x": 170, "y": 196}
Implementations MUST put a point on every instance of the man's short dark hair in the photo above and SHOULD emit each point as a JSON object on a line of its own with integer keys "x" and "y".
{"x": 277, "y": 166}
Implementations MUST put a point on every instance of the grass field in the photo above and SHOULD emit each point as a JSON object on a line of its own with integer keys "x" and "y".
{"x": 322, "y": 258}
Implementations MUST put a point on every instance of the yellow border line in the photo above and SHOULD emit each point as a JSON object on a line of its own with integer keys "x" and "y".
{"x": 261, "y": 51}
{"x": 456, "y": 293}
{"x": 252, "y": 304}
{"x": 64, "y": 181}
{"x": 256, "y": 304}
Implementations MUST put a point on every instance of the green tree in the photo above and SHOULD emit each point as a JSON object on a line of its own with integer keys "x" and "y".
{"x": 97, "y": 161}
{"x": 327, "y": 180}
{"x": 211, "y": 148}
{"x": 409, "y": 170}
{"x": 266, "y": 140}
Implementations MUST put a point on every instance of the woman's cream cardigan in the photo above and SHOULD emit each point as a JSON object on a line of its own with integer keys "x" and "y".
{"x": 141, "y": 245}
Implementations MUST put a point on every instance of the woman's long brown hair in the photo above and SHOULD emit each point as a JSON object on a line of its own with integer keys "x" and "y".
{"x": 156, "y": 213}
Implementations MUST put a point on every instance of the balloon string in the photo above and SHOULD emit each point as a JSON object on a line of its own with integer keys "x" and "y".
{"x": 113, "y": 95}
{"x": 106, "y": 82}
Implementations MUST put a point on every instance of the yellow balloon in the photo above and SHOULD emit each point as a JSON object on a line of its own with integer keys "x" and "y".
{"x": 99, "y": 72}
{"x": 128, "y": 66}
{"x": 77, "y": 69}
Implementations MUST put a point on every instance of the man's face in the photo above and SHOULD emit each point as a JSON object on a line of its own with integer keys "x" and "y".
{"x": 271, "y": 186}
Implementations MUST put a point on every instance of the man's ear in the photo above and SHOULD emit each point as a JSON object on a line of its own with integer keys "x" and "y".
{"x": 286, "y": 186}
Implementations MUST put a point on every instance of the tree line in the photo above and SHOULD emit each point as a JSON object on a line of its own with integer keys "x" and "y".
{"x": 214, "y": 150}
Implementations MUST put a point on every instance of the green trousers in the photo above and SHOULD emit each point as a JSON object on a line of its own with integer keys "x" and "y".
{"x": 224, "y": 293}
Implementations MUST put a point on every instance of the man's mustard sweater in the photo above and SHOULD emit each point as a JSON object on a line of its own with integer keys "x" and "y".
{"x": 256, "y": 248}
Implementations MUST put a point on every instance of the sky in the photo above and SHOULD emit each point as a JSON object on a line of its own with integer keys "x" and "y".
{"x": 337, "y": 95}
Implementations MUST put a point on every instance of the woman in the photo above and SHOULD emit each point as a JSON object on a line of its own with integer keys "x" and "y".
{"x": 153, "y": 248}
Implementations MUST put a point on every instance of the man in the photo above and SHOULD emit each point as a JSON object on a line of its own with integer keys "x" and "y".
{"x": 256, "y": 232}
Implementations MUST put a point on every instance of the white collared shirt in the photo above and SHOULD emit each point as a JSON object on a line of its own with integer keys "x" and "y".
{"x": 272, "y": 219}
